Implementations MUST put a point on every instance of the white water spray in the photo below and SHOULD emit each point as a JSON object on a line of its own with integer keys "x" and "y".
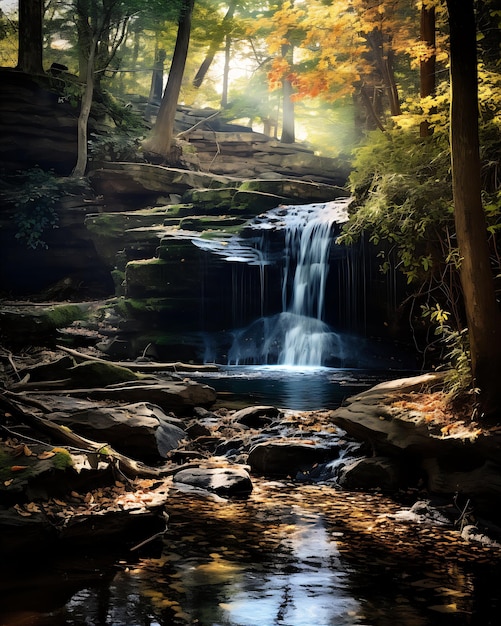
{"x": 297, "y": 336}
{"x": 307, "y": 340}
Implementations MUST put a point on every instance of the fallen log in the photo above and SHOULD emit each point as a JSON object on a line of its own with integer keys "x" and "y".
{"x": 177, "y": 366}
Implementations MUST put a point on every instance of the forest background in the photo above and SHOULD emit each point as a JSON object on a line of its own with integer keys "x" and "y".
{"x": 408, "y": 91}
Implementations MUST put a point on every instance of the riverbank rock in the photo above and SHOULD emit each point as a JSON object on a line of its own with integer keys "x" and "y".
{"x": 371, "y": 473}
{"x": 287, "y": 457}
{"x": 256, "y": 416}
{"x": 140, "y": 430}
{"x": 452, "y": 458}
{"x": 225, "y": 481}
{"x": 38, "y": 472}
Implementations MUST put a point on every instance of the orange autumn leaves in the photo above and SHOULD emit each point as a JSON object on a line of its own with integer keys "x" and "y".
{"x": 334, "y": 43}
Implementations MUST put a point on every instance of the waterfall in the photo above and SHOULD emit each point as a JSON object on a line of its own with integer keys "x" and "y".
{"x": 297, "y": 336}
{"x": 307, "y": 245}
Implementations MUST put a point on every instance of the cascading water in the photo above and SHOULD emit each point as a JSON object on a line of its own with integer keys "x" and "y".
{"x": 298, "y": 335}
{"x": 307, "y": 246}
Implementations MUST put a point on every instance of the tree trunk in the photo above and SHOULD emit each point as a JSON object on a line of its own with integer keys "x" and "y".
{"x": 84, "y": 39}
{"x": 215, "y": 45}
{"x": 30, "y": 36}
{"x": 427, "y": 65}
{"x": 482, "y": 311}
{"x": 288, "y": 118}
{"x": 83, "y": 118}
{"x": 226, "y": 72}
{"x": 160, "y": 142}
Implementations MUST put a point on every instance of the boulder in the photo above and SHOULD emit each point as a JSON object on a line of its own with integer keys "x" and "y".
{"x": 462, "y": 460}
{"x": 140, "y": 430}
{"x": 225, "y": 481}
{"x": 287, "y": 457}
{"x": 372, "y": 473}
{"x": 256, "y": 416}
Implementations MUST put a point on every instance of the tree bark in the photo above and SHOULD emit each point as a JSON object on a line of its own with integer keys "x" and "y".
{"x": 427, "y": 65}
{"x": 288, "y": 114}
{"x": 226, "y": 72}
{"x": 215, "y": 45}
{"x": 83, "y": 118}
{"x": 482, "y": 310}
{"x": 160, "y": 142}
{"x": 30, "y": 36}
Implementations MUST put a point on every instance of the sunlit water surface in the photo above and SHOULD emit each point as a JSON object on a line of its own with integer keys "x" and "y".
{"x": 289, "y": 555}
{"x": 297, "y": 388}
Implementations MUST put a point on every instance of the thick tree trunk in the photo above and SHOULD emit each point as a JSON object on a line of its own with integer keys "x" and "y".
{"x": 482, "y": 310}
{"x": 384, "y": 64}
{"x": 428, "y": 64}
{"x": 30, "y": 36}
{"x": 160, "y": 143}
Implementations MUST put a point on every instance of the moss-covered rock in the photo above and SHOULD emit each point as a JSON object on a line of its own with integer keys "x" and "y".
{"x": 25, "y": 323}
{"x": 99, "y": 374}
{"x": 304, "y": 191}
{"x": 211, "y": 201}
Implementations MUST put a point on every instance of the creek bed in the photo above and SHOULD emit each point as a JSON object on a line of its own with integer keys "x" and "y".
{"x": 291, "y": 555}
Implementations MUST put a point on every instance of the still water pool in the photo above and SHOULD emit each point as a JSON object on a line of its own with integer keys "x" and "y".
{"x": 297, "y": 388}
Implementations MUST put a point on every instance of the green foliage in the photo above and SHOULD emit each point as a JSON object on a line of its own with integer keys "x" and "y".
{"x": 116, "y": 146}
{"x": 403, "y": 201}
{"x": 35, "y": 195}
{"x": 457, "y": 349}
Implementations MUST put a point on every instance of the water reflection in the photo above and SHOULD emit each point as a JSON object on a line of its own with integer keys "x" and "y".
{"x": 297, "y": 388}
{"x": 290, "y": 555}
{"x": 309, "y": 589}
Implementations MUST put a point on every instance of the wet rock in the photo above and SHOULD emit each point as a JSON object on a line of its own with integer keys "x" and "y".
{"x": 224, "y": 481}
{"x": 256, "y": 416}
{"x": 140, "y": 430}
{"x": 196, "y": 429}
{"x": 287, "y": 457}
{"x": 372, "y": 473}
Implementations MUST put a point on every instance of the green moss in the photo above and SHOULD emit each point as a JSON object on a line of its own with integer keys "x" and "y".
{"x": 178, "y": 210}
{"x": 62, "y": 315}
{"x": 100, "y": 373}
{"x": 62, "y": 459}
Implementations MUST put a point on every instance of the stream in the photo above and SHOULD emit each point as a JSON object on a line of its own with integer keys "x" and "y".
{"x": 290, "y": 555}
